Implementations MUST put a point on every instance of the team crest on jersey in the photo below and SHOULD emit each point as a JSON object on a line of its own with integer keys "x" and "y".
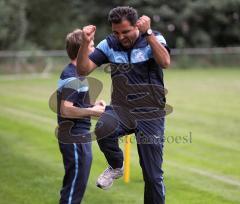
{"x": 138, "y": 56}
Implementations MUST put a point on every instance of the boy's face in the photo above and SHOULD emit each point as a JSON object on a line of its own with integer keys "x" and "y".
{"x": 125, "y": 33}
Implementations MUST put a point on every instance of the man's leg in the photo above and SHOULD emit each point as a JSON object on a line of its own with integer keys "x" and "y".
{"x": 77, "y": 159}
{"x": 107, "y": 136}
{"x": 149, "y": 137}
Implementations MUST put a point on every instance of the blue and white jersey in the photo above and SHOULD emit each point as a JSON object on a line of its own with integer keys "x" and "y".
{"x": 73, "y": 88}
{"x": 137, "y": 64}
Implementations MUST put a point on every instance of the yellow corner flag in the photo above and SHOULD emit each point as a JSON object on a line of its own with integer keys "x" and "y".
{"x": 127, "y": 158}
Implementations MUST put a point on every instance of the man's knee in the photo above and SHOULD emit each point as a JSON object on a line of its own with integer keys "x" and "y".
{"x": 106, "y": 126}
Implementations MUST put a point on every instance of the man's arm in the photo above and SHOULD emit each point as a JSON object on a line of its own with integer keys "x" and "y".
{"x": 84, "y": 64}
{"x": 160, "y": 53}
{"x": 67, "y": 110}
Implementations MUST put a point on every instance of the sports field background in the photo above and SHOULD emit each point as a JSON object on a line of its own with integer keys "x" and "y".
{"x": 206, "y": 171}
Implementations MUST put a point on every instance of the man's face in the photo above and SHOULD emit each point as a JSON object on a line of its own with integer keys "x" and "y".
{"x": 125, "y": 33}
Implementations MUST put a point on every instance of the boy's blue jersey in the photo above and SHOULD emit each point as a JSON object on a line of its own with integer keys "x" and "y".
{"x": 74, "y": 89}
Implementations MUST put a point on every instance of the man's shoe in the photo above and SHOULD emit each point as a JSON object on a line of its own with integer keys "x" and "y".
{"x": 105, "y": 180}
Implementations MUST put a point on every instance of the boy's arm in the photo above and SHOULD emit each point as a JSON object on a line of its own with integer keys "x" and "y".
{"x": 67, "y": 110}
{"x": 69, "y": 95}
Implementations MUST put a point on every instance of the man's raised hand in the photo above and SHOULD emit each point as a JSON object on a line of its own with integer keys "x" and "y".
{"x": 88, "y": 33}
{"x": 143, "y": 24}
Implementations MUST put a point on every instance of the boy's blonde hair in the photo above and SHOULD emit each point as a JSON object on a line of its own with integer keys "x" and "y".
{"x": 73, "y": 42}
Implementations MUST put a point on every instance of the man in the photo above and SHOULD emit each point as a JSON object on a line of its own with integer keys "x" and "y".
{"x": 137, "y": 56}
{"x": 74, "y": 107}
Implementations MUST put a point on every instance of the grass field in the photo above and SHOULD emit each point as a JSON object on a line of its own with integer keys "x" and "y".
{"x": 206, "y": 103}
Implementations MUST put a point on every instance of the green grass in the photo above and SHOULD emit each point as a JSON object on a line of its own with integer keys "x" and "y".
{"x": 206, "y": 103}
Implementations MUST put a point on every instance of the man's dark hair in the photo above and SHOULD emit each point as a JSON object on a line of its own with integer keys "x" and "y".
{"x": 120, "y": 13}
{"x": 73, "y": 42}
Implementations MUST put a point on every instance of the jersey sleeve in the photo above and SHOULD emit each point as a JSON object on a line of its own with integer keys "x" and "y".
{"x": 162, "y": 40}
{"x": 101, "y": 54}
{"x": 68, "y": 89}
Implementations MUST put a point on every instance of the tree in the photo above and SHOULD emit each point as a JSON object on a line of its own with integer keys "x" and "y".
{"x": 13, "y": 24}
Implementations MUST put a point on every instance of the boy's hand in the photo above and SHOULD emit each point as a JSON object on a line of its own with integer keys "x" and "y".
{"x": 88, "y": 33}
{"x": 101, "y": 103}
{"x": 143, "y": 24}
{"x": 97, "y": 110}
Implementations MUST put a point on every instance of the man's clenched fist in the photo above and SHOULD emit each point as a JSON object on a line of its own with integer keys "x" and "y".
{"x": 143, "y": 24}
{"x": 88, "y": 33}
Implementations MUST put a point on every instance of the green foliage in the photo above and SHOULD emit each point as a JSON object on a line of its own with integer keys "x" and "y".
{"x": 13, "y": 24}
{"x": 185, "y": 23}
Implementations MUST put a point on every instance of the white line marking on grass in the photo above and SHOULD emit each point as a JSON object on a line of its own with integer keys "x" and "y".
{"x": 28, "y": 115}
{"x": 25, "y": 76}
{"x": 211, "y": 175}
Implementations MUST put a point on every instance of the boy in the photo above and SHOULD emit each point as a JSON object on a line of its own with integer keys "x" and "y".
{"x": 74, "y": 107}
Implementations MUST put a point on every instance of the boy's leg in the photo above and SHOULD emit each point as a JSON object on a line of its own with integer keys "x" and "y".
{"x": 77, "y": 159}
{"x": 150, "y": 137}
